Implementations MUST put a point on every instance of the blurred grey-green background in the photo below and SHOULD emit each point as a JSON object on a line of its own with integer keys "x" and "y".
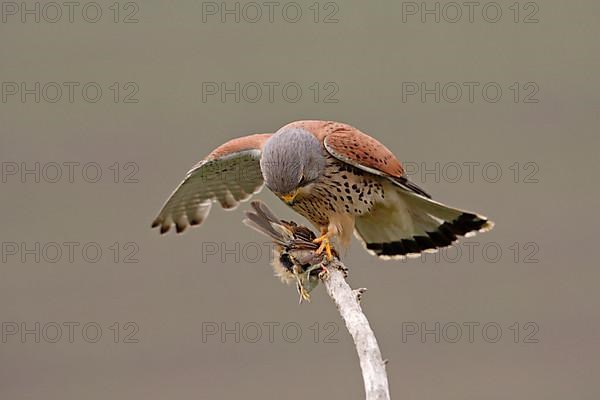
{"x": 84, "y": 173}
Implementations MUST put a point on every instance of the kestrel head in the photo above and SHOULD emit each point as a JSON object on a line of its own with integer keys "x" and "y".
{"x": 292, "y": 159}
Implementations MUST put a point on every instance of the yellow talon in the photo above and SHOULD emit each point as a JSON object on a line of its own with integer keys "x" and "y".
{"x": 325, "y": 245}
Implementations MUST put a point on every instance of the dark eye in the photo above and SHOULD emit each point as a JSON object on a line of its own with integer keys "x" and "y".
{"x": 302, "y": 181}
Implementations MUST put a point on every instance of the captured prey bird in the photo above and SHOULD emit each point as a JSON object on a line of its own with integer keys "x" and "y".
{"x": 294, "y": 255}
{"x": 337, "y": 177}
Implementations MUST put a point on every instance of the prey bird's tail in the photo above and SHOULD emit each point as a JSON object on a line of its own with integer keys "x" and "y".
{"x": 264, "y": 221}
{"x": 287, "y": 234}
{"x": 407, "y": 224}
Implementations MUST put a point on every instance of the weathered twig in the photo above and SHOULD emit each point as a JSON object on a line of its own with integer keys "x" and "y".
{"x": 295, "y": 260}
{"x": 347, "y": 302}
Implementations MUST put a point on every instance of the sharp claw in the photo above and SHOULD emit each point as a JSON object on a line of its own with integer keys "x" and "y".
{"x": 325, "y": 245}
{"x": 304, "y": 295}
{"x": 321, "y": 247}
{"x": 328, "y": 252}
{"x": 324, "y": 274}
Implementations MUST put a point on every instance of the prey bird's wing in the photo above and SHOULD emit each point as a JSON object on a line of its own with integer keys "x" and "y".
{"x": 229, "y": 174}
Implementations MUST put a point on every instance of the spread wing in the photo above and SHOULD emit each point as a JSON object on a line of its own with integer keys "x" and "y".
{"x": 230, "y": 174}
{"x": 353, "y": 147}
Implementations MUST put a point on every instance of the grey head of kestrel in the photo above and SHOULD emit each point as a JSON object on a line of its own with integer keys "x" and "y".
{"x": 337, "y": 177}
{"x": 291, "y": 159}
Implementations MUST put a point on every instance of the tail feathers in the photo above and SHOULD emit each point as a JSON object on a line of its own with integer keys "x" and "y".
{"x": 262, "y": 219}
{"x": 408, "y": 224}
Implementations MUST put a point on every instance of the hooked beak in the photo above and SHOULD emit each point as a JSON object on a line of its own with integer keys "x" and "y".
{"x": 289, "y": 197}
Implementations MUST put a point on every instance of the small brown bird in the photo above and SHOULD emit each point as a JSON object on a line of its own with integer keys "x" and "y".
{"x": 339, "y": 178}
{"x": 294, "y": 255}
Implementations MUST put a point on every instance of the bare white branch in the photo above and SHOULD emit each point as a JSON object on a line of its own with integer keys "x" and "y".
{"x": 347, "y": 302}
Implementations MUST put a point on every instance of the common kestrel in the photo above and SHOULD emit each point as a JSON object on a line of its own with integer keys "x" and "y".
{"x": 334, "y": 175}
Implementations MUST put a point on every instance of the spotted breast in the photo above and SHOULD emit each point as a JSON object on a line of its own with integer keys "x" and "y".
{"x": 342, "y": 189}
